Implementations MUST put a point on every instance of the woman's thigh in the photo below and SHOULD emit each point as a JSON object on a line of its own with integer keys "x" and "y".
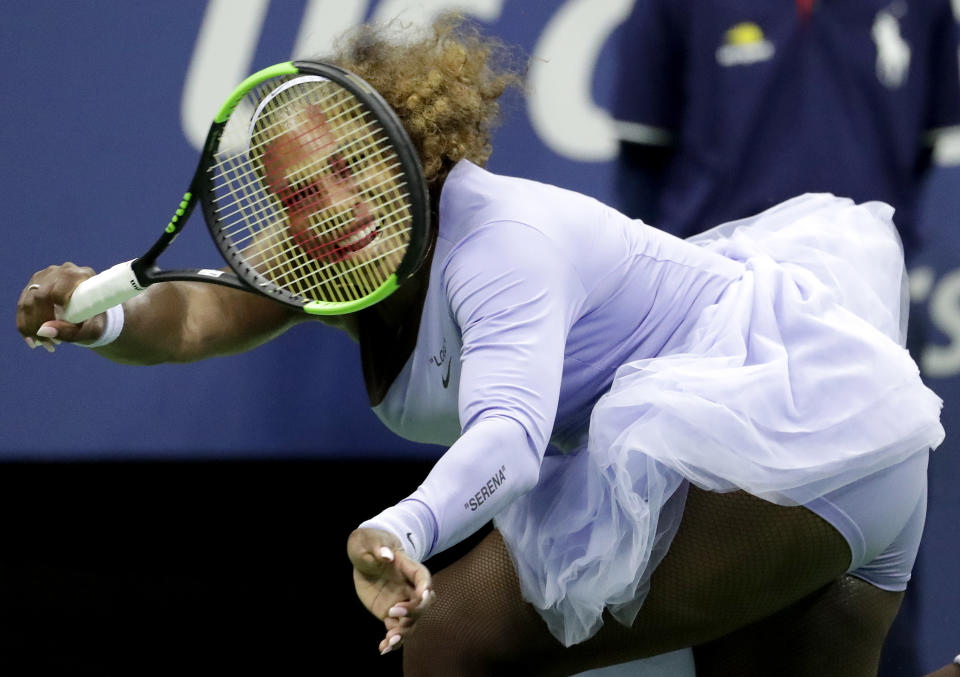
{"x": 735, "y": 559}
{"x": 837, "y": 631}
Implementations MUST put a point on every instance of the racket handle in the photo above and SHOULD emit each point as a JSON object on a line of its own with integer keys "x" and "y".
{"x": 104, "y": 290}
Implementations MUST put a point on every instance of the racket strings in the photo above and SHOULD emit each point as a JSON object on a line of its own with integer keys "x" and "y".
{"x": 337, "y": 124}
{"x": 287, "y": 227}
{"x": 301, "y": 273}
{"x": 274, "y": 262}
{"x": 264, "y": 208}
{"x": 270, "y": 131}
{"x": 243, "y": 171}
{"x": 271, "y": 258}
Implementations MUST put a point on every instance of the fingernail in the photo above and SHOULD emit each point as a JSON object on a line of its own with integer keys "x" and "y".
{"x": 49, "y": 347}
{"x": 386, "y": 553}
{"x": 397, "y": 612}
{"x": 47, "y": 332}
{"x": 391, "y": 644}
{"x": 425, "y": 597}
{"x": 30, "y": 342}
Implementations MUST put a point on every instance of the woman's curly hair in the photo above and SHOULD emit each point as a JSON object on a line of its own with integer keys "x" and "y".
{"x": 444, "y": 84}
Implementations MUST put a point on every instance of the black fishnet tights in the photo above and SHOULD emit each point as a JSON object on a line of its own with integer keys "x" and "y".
{"x": 736, "y": 561}
{"x": 838, "y": 630}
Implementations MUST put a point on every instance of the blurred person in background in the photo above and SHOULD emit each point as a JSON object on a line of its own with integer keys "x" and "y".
{"x": 726, "y": 108}
{"x": 729, "y": 108}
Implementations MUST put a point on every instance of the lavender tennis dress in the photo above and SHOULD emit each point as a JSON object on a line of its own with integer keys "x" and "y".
{"x": 583, "y": 368}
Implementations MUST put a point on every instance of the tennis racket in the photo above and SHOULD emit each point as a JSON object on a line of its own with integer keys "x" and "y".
{"x": 311, "y": 190}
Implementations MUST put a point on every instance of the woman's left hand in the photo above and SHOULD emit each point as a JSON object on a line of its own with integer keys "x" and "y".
{"x": 395, "y": 588}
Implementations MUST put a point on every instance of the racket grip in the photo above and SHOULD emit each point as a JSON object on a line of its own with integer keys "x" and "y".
{"x": 104, "y": 290}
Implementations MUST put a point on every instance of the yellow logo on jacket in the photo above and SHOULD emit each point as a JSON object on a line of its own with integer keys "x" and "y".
{"x": 744, "y": 44}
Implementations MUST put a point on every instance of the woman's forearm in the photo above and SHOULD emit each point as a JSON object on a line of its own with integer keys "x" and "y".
{"x": 188, "y": 321}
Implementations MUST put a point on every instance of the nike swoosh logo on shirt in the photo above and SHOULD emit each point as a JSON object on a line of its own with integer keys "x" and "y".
{"x": 446, "y": 377}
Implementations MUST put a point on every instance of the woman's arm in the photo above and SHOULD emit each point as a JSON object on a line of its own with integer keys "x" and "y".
{"x": 169, "y": 322}
{"x": 514, "y": 311}
{"x": 188, "y": 321}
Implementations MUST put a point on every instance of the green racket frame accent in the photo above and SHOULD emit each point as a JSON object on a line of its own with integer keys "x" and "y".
{"x": 341, "y": 308}
{"x": 277, "y": 70}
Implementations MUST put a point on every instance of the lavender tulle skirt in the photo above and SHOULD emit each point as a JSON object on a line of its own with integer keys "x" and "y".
{"x": 793, "y": 384}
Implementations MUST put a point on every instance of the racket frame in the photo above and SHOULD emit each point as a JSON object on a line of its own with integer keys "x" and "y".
{"x": 243, "y": 276}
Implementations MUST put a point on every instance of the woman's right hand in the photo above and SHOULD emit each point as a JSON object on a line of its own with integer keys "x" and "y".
{"x": 42, "y": 300}
{"x": 394, "y": 588}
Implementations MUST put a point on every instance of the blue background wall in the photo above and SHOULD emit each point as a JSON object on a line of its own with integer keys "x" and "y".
{"x": 100, "y": 102}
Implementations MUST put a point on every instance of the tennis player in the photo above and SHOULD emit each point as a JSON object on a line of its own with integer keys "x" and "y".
{"x": 717, "y": 442}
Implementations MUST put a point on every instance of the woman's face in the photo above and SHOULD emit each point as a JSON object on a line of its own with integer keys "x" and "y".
{"x": 331, "y": 184}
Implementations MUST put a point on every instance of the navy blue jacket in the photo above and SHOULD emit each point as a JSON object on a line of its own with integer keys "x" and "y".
{"x": 761, "y": 100}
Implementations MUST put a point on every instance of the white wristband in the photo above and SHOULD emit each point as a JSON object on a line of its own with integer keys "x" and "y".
{"x": 112, "y": 326}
